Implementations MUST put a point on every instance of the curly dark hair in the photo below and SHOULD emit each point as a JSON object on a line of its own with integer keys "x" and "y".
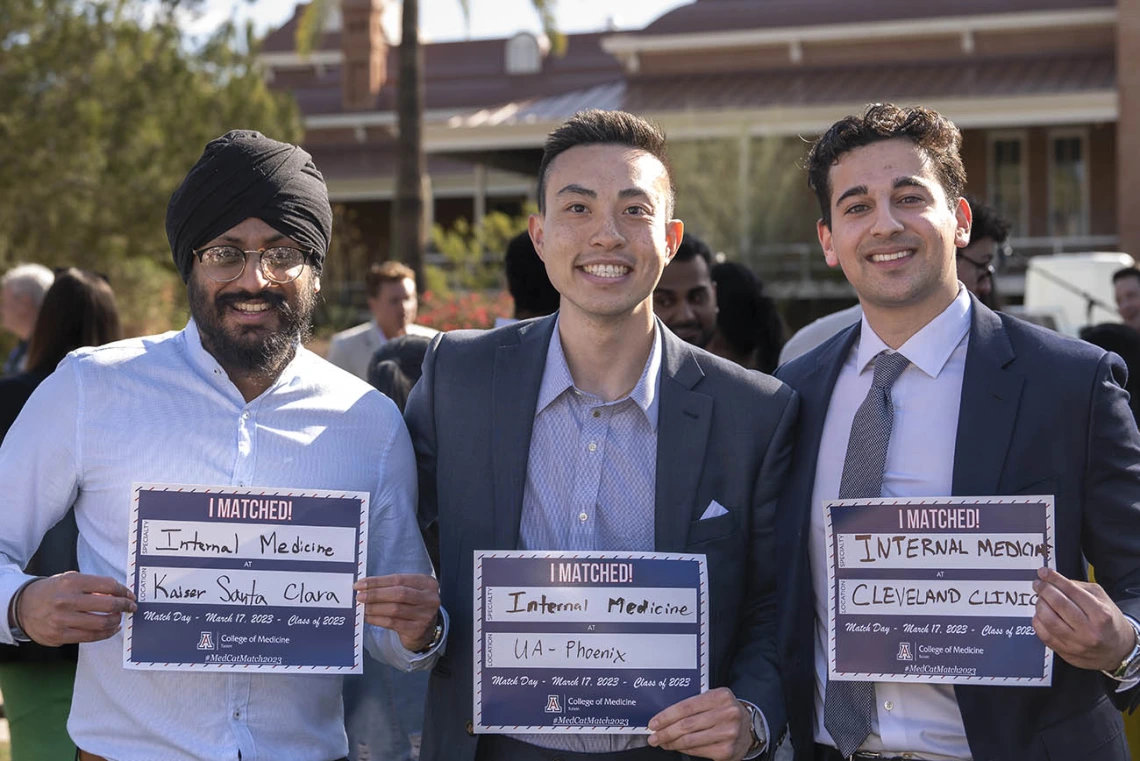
{"x": 929, "y": 130}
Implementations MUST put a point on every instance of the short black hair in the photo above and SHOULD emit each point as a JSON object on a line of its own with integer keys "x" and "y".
{"x": 1126, "y": 272}
{"x": 746, "y": 316}
{"x": 692, "y": 246}
{"x": 527, "y": 280}
{"x": 987, "y": 223}
{"x": 599, "y": 127}
{"x": 936, "y": 135}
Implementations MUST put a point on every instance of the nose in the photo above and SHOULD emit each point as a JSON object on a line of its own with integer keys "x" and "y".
{"x": 252, "y": 278}
{"x": 885, "y": 222}
{"x": 606, "y": 234}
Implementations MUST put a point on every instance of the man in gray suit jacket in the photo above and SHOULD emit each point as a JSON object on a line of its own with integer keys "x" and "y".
{"x": 598, "y": 429}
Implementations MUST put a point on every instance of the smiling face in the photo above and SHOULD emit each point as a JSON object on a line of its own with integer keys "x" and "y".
{"x": 893, "y": 231}
{"x": 685, "y": 300}
{"x": 252, "y": 325}
{"x": 604, "y": 235}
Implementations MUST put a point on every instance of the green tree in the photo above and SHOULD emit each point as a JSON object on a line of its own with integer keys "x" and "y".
{"x": 106, "y": 107}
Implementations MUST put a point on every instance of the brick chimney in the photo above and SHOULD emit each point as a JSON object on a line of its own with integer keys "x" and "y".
{"x": 1128, "y": 126}
{"x": 365, "y": 53}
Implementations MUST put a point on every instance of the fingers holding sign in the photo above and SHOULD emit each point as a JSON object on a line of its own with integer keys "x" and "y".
{"x": 711, "y": 725}
{"x": 73, "y": 607}
{"x": 406, "y": 603}
{"x": 1080, "y": 622}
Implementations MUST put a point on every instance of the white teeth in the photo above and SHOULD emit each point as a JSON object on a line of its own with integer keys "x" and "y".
{"x": 247, "y": 306}
{"x": 891, "y": 257}
{"x": 606, "y": 270}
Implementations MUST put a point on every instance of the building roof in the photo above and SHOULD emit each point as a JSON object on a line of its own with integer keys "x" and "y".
{"x": 732, "y": 15}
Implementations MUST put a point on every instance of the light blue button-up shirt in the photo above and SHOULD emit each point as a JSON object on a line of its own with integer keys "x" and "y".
{"x": 160, "y": 409}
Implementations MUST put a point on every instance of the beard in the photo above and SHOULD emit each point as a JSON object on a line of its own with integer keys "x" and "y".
{"x": 251, "y": 350}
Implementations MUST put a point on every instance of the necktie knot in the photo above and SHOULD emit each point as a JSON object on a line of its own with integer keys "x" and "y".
{"x": 888, "y": 367}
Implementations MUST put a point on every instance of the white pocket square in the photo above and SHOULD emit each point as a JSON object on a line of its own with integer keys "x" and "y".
{"x": 714, "y": 510}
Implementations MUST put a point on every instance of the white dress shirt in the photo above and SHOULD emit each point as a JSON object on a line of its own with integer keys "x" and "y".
{"x": 160, "y": 409}
{"x": 918, "y": 718}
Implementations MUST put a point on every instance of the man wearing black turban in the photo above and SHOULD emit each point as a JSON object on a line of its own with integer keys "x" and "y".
{"x": 232, "y": 402}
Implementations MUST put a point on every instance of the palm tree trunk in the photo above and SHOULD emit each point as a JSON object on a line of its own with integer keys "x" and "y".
{"x": 408, "y": 234}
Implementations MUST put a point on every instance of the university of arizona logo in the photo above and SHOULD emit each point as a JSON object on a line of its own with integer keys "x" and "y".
{"x": 206, "y": 641}
{"x": 904, "y": 652}
{"x": 553, "y": 704}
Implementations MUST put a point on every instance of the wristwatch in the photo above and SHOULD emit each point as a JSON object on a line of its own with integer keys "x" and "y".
{"x": 436, "y": 636}
{"x": 1130, "y": 666}
{"x": 756, "y": 726}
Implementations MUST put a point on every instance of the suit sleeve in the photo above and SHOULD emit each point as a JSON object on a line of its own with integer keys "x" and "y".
{"x": 419, "y": 414}
{"x": 1111, "y": 516}
{"x": 755, "y": 674}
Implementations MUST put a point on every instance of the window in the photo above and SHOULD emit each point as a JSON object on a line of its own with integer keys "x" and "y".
{"x": 1008, "y": 179}
{"x": 525, "y": 53}
{"x": 1068, "y": 183}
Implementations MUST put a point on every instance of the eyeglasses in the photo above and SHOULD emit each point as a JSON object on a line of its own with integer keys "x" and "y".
{"x": 279, "y": 264}
{"x": 984, "y": 269}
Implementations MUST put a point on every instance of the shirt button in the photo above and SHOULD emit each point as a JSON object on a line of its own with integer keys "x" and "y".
{"x": 597, "y": 413}
{"x": 245, "y": 415}
{"x": 890, "y": 706}
{"x": 593, "y": 447}
{"x": 237, "y": 714}
{"x": 583, "y": 517}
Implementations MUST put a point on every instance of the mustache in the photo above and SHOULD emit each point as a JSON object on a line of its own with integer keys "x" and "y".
{"x": 275, "y": 300}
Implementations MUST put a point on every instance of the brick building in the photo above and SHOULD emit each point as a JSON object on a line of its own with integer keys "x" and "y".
{"x": 1047, "y": 93}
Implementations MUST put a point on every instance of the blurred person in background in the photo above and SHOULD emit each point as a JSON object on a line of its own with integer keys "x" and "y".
{"x": 393, "y": 303}
{"x": 1126, "y": 286}
{"x": 527, "y": 282}
{"x": 383, "y": 707}
{"x": 21, "y": 290}
{"x": 749, "y": 329}
{"x": 686, "y": 298}
{"x": 78, "y": 310}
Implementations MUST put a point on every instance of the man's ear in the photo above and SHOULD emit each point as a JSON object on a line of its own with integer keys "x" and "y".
{"x": 674, "y": 232}
{"x": 534, "y": 227}
{"x": 823, "y": 230}
{"x": 964, "y": 217}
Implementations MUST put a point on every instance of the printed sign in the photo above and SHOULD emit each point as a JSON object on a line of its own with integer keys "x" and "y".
{"x": 245, "y": 579}
{"x": 938, "y": 590}
{"x": 594, "y": 643}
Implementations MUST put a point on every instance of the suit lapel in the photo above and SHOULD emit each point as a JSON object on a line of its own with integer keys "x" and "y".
{"x": 683, "y": 421}
{"x": 815, "y": 398}
{"x": 991, "y": 393}
{"x": 514, "y": 395}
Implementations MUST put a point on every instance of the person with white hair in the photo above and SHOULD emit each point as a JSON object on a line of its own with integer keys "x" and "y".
{"x": 22, "y": 289}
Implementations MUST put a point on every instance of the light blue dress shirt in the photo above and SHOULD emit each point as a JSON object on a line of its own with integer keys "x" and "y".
{"x": 160, "y": 409}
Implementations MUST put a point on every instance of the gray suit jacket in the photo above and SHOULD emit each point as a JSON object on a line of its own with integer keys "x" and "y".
{"x": 724, "y": 433}
{"x": 352, "y": 349}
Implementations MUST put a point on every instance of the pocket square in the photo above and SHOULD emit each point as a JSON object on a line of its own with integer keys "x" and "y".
{"x": 714, "y": 510}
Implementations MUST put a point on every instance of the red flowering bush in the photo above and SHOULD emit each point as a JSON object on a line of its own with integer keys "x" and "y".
{"x": 474, "y": 309}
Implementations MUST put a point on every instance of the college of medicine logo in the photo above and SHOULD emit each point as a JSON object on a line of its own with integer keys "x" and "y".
{"x": 206, "y": 641}
{"x": 553, "y": 704}
{"x": 904, "y": 652}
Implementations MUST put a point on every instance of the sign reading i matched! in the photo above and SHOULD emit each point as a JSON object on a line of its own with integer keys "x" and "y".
{"x": 245, "y": 579}
{"x": 586, "y": 642}
{"x": 938, "y": 590}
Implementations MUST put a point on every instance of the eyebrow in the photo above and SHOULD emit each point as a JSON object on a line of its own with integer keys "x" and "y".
{"x": 576, "y": 189}
{"x": 238, "y": 241}
{"x": 900, "y": 182}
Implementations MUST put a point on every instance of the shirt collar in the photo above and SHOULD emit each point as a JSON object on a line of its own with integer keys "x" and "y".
{"x": 930, "y": 348}
{"x": 203, "y": 361}
{"x": 556, "y": 378}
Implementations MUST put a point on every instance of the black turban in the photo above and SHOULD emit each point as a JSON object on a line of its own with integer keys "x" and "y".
{"x": 245, "y": 174}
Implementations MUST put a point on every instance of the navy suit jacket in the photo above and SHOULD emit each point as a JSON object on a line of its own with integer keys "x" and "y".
{"x": 1040, "y": 414}
{"x": 723, "y": 433}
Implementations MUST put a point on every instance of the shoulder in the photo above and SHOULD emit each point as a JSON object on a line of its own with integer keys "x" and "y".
{"x": 474, "y": 345}
{"x": 1036, "y": 344}
{"x": 119, "y": 354}
{"x": 726, "y": 379}
{"x": 341, "y": 389}
{"x": 351, "y": 333}
{"x": 420, "y": 330}
{"x": 815, "y": 333}
{"x": 829, "y": 351}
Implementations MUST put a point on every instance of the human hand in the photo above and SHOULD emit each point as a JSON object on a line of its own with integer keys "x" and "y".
{"x": 406, "y": 603}
{"x": 1080, "y": 623}
{"x": 73, "y": 607}
{"x": 711, "y": 725}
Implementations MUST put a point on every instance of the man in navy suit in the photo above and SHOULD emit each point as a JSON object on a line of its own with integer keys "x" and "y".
{"x": 596, "y": 429}
{"x": 984, "y": 405}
